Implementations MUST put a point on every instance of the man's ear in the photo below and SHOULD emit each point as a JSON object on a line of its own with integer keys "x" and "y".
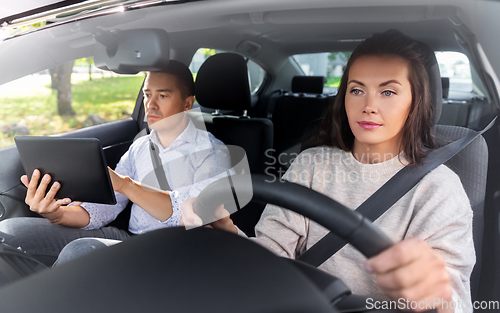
{"x": 188, "y": 103}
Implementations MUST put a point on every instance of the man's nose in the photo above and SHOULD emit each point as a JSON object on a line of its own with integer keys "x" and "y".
{"x": 151, "y": 103}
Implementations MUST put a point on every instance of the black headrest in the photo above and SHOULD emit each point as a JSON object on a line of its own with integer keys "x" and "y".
{"x": 222, "y": 83}
{"x": 432, "y": 67}
{"x": 308, "y": 84}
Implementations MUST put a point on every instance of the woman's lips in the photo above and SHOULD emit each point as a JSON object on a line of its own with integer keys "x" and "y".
{"x": 369, "y": 125}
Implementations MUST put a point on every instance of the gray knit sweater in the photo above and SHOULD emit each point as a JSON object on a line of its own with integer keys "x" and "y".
{"x": 436, "y": 210}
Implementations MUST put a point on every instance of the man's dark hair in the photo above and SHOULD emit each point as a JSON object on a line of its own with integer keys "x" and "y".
{"x": 183, "y": 75}
{"x": 417, "y": 140}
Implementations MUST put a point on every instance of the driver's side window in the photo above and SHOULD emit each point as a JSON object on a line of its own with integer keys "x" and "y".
{"x": 70, "y": 96}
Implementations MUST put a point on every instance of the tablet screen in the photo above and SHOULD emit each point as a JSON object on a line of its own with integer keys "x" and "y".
{"x": 78, "y": 164}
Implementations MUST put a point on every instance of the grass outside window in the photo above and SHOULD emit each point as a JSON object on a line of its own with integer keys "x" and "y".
{"x": 30, "y": 102}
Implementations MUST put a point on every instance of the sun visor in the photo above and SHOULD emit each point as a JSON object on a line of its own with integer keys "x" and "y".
{"x": 131, "y": 51}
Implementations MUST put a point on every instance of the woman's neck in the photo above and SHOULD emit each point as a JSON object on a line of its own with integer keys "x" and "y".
{"x": 371, "y": 154}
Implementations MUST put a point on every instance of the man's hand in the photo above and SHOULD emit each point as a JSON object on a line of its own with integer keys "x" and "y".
{"x": 45, "y": 205}
{"x": 117, "y": 180}
{"x": 221, "y": 216}
{"x": 188, "y": 217}
{"x": 412, "y": 270}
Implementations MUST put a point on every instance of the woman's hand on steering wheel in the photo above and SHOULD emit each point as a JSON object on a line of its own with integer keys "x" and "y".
{"x": 412, "y": 270}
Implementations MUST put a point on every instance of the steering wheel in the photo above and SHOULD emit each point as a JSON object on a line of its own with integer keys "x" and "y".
{"x": 347, "y": 224}
{"x": 195, "y": 270}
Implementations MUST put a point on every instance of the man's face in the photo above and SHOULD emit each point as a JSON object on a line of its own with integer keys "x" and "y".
{"x": 162, "y": 97}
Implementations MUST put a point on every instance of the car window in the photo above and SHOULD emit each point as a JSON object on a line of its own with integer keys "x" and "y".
{"x": 43, "y": 104}
{"x": 455, "y": 66}
{"x": 329, "y": 64}
{"x": 256, "y": 74}
{"x": 452, "y": 65}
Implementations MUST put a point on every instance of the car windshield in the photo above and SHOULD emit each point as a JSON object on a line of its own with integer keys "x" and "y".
{"x": 29, "y": 8}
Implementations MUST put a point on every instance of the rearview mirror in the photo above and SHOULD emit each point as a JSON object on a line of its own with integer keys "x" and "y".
{"x": 131, "y": 51}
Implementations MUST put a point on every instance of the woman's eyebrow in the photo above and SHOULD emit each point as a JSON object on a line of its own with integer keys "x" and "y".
{"x": 390, "y": 82}
{"x": 356, "y": 82}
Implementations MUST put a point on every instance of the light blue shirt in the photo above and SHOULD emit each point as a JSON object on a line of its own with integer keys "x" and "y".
{"x": 193, "y": 160}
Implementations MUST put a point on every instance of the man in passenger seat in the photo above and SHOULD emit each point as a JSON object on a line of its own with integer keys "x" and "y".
{"x": 191, "y": 160}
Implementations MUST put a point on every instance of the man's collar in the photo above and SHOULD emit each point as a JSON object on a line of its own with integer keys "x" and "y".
{"x": 187, "y": 135}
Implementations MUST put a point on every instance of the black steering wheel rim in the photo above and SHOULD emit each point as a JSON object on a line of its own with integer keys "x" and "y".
{"x": 347, "y": 224}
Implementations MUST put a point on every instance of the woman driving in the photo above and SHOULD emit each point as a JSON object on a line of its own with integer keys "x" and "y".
{"x": 379, "y": 123}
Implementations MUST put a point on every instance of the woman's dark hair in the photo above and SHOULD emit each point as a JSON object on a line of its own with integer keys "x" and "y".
{"x": 417, "y": 140}
{"x": 183, "y": 75}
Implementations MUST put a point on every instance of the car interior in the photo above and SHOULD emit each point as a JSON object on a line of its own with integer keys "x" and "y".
{"x": 273, "y": 124}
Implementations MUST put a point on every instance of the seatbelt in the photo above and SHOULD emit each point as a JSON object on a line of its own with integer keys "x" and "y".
{"x": 395, "y": 188}
{"x": 158, "y": 167}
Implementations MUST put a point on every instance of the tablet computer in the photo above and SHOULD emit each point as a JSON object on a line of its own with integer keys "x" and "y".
{"x": 78, "y": 164}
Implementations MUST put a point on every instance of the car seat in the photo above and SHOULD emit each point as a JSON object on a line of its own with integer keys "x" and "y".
{"x": 470, "y": 164}
{"x": 293, "y": 112}
{"x": 222, "y": 84}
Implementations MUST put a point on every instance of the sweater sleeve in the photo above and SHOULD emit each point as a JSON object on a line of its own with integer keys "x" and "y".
{"x": 443, "y": 218}
{"x": 283, "y": 231}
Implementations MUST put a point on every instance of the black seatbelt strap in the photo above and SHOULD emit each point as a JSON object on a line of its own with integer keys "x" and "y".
{"x": 158, "y": 167}
{"x": 395, "y": 188}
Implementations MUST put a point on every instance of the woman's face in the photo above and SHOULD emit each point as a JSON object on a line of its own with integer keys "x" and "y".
{"x": 377, "y": 102}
